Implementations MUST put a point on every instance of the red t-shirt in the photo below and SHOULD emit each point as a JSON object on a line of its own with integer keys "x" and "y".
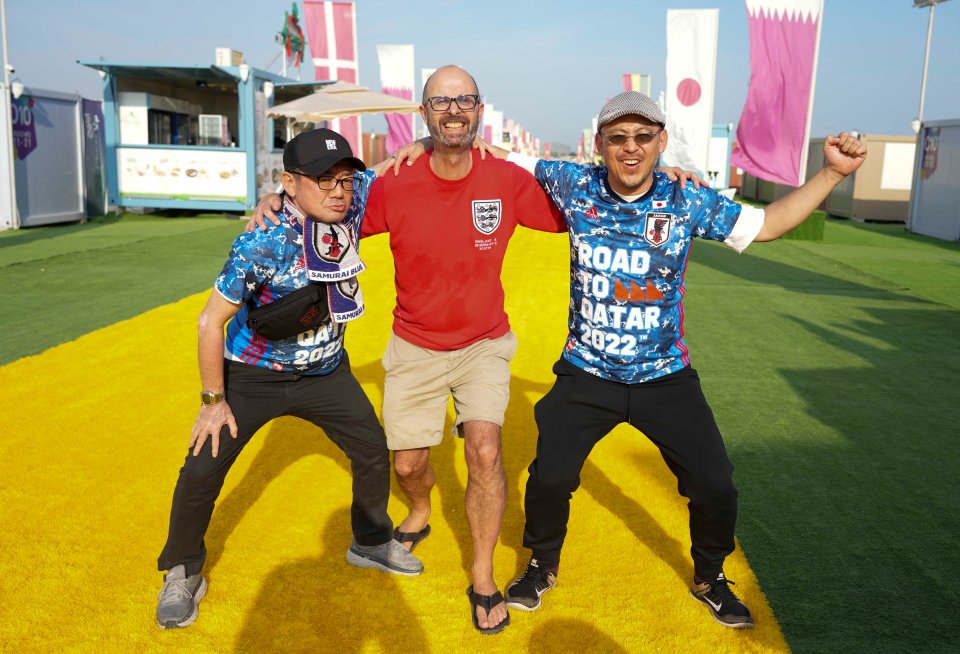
{"x": 448, "y": 240}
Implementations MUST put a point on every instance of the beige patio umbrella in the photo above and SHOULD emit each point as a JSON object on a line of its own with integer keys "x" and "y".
{"x": 338, "y": 100}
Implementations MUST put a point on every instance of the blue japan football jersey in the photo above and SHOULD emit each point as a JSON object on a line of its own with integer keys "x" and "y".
{"x": 267, "y": 265}
{"x": 627, "y": 266}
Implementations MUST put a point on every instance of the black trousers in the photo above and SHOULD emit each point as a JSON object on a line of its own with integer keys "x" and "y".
{"x": 334, "y": 402}
{"x": 581, "y": 409}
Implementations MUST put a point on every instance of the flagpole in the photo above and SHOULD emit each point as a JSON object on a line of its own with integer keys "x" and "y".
{"x": 813, "y": 87}
{"x": 920, "y": 4}
{"x": 8, "y": 185}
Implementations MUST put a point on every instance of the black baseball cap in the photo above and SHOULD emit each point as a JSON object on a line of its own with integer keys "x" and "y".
{"x": 317, "y": 151}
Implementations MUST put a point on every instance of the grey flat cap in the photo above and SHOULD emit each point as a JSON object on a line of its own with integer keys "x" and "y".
{"x": 631, "y": 103}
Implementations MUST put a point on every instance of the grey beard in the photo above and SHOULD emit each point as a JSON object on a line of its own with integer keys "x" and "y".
{"x": 438, "y": 137}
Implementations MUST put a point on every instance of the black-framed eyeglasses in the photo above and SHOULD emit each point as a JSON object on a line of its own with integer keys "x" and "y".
{"x": 442, "y": 102}
{"x": 329, "y": 182}
{"x": 640, "y": 138}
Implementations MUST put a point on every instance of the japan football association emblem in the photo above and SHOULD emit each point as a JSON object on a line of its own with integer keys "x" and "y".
{"x": 349, "y": 287}
{"x": 486, "y": 215}
{"x": 331, "y": 242}
{"x": 657, "y": 230}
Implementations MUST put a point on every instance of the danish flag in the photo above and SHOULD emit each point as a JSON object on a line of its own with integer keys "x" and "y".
{"x": 332, "y": 35}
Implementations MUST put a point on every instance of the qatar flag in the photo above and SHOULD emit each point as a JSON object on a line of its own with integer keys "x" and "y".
{"x": 774, "y": 129}
{"x": 691, "y": 78}
{"x": 332, "y": 35}
{"x": 397, "y": 79}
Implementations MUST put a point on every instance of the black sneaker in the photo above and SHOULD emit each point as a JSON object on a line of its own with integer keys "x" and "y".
{"x": 726, "y": 608}
{"x": 525, "y": 592}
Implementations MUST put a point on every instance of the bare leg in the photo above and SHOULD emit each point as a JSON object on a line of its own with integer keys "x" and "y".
{"x": 486, "y": 500}
{"x": 415, "y": 476}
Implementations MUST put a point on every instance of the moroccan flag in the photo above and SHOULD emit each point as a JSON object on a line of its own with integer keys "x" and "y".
{"x": 397, "y": 79}
{"x": 774, "y": 129}
{"x": 691, "y": 79}
{"x": 332, "y": 35}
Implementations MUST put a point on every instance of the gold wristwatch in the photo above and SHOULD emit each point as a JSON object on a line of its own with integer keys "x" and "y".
{"x": 209, "y": 397}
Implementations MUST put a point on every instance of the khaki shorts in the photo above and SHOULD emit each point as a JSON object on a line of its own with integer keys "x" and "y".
{"x": 419, "y": 382}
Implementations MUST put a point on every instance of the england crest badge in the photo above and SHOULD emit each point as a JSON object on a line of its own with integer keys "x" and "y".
{"x": 486, "y": 215}
{"x": 657, "y": 230}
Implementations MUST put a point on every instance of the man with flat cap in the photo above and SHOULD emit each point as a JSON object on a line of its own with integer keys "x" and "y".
{"x": 625, "y": 359}
{"x": 287, "y": 293}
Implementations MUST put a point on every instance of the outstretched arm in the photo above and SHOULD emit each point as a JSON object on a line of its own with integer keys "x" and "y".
{"x": 844, "y": 154}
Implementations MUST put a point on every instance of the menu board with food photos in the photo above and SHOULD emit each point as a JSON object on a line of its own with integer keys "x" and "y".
{"x": 182, "y": 174}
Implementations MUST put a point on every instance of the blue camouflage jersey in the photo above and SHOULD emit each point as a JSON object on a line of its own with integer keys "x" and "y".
{"x": 627, "y": 266}
{"x": 267, "y": 265}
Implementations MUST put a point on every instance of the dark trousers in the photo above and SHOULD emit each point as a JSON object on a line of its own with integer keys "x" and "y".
{"x": 334, "y": 402}
{"x": 672, "y": 412}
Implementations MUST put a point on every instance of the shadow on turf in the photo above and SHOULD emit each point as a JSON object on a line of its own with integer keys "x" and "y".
{"x": 285, "y": 444}
{"x": 311, "y": 605}
{"x": 868, "y": 510}
{"x": 576, "y": 635}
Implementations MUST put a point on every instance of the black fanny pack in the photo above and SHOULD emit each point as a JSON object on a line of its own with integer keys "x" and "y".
{"x": 293, "y": 314}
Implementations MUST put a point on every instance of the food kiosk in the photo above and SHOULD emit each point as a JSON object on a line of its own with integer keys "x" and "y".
{"x": 193, "y": 137}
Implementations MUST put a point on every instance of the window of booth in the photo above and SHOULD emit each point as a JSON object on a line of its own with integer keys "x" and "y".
{"x": 181, "y": 112}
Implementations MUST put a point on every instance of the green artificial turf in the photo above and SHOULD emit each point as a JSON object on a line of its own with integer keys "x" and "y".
{"x": 833, "y": 371}
{"x": 832, "y": 367}
{"x": 66, "y": 280}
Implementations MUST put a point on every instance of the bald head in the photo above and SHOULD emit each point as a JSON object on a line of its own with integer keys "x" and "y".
{"x": 449, "y": 77}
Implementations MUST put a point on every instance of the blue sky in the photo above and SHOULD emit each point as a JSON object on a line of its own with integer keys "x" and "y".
{"x": 549, "y": 65}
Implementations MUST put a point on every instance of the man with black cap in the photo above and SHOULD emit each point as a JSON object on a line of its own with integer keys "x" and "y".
{"x": 625, "y": 359}
{"x": 287, "y": 293}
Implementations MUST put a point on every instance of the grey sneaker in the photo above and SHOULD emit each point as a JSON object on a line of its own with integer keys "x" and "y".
{"x": 389, "y": 557}
{"x": 179, "y": 597}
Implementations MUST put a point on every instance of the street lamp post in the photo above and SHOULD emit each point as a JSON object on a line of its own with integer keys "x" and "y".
{"x": 920, "y": 4}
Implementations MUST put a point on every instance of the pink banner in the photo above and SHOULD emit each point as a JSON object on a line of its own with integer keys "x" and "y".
{"x": 332, "y": 37}
{"x": 399, "y": 126}
{"x": 773, "y": 131}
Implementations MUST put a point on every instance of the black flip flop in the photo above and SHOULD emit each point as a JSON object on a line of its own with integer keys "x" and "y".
{"x": 487, "y": 602}
{"x": 412, "y": 537}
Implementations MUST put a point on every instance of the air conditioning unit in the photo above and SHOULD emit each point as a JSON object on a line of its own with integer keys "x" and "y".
{"x": 213, "y": 130}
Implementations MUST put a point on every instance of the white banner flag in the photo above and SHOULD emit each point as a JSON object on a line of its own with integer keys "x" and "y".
{"x": 425, "y": 74}
{"x": 397, "y": 79}
{"x": 691, "y": 78}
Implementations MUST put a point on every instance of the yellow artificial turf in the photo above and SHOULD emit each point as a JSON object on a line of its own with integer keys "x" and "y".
{"x": 97, "y": 428}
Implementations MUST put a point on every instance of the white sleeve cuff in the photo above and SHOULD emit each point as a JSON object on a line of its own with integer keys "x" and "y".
{"x": 747, "y": 227}
{"x": 525, "y": 161}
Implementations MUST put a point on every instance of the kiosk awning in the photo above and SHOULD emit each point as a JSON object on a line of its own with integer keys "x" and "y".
{"x": 163, "y": 71}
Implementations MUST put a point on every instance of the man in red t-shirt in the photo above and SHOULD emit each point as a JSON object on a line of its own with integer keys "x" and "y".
{"x": 450, "y": 216}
